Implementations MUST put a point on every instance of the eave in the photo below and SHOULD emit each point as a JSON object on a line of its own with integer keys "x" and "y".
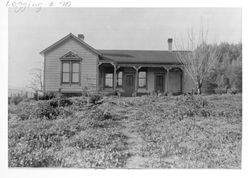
{"x": 70, "y": 35}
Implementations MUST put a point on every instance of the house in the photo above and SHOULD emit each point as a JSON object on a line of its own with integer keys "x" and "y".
{"x": 71, "y": 65}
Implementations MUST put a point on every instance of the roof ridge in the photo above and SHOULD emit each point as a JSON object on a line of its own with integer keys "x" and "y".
{"x": 141, "y": 50}
{"x": 74, "y": 37}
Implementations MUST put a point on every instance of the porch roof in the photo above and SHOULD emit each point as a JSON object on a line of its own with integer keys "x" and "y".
{"x": 140, "y": 56}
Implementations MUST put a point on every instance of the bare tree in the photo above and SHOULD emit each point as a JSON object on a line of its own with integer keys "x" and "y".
{"x": 36, "y": 81}
{"x": 197, "y": 56}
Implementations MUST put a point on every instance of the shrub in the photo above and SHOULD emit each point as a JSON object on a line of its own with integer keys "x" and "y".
{"x": 45, "y": 110}
{"x": 48, "y": 96}
{"x": 79, "y": 101}
{"x": 209, "y": 87}
{"x": 177, "y": 93}
{"x": 60, "y": 102}
{"x": 191, "y": 106}
{"x": 220, "y": 91}
{"x": 26, "y": 112}
{"x": 94, "y": 98}
{"x": 100, "y": 115}
{"x": 232, "y": 91}
{"x": 16, "y": 99}
{"x": 25, "y": 109}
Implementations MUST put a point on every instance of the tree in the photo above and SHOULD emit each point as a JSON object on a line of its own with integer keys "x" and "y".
{"x": 229, "y": 67}
{"x": 200, "y": 57}
{"x": 236, "y": 78}
{"x": 36, "y": 81}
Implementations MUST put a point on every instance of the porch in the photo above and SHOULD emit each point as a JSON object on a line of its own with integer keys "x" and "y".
{"x": 139, "y": 79}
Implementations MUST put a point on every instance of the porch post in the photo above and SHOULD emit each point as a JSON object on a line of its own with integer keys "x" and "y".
{"x": 115, "y": 77}
{"x": 97, "y": 77}
{"x": 136, "y": 78}
{"x": 100, "y": 81}
{"x": 168, "y": 78}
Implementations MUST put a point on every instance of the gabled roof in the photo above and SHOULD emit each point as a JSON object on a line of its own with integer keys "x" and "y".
{"x": 124, "y": 56}
{"x": 75, "y": 38}
{"x": 141, "y": 56}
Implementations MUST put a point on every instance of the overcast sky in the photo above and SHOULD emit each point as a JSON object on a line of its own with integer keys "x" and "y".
{"x": 30, "y": 32}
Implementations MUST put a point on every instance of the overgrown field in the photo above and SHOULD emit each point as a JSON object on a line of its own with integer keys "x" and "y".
{"x": 140, "y": 132}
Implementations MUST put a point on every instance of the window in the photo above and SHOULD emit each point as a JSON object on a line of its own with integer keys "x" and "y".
{"x": 119, "y": 79}
{"x": 75, "y": 72}
{"x": 142, "y": 79}
{"x": 70, "y": 72}
{"x": 65, "y": 73}
{"x": 109, "y": 80}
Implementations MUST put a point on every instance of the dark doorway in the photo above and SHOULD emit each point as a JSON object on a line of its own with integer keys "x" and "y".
{"x": 159, "y": 82}
{"x": 129, "y": 84}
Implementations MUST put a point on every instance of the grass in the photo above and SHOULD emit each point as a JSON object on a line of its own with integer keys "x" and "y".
{"x": 140, "y": 132}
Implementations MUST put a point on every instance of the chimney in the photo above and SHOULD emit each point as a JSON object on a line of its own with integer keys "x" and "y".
{"x": 81, "y": 36}
{"x": 170, "y": 43}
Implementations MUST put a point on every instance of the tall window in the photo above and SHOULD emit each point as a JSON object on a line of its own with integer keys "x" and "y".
{"x": 109, "y": 80}
{"x": 75, "y": 72}
{"x": 65, "y": 72}
{"x": 70, "y": 72}
{"x": 119, "y": 79}
{"x": 142, "y": 79}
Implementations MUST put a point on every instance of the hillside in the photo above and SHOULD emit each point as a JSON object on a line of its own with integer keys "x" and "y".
{"x": 140, "y": 132}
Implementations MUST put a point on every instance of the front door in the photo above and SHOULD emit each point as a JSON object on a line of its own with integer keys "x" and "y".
{"x": 129, "y": 84}
{"x": 159, "y": 82}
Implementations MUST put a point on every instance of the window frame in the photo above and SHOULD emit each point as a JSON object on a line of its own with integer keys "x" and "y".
{"x": 72, "y": 72}
{"x": 70, "y": 62}
{"x": 119, "y": 78}
{"x": 65, "y": 62}
{"x": 105, "y": 86}
{"x": 146, "y": 79}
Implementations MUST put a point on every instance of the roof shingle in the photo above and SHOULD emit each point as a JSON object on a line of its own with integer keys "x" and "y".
{"x": 141, "y": 56}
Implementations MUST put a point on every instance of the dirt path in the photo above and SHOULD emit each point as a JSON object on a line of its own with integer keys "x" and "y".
{"x": 135, "y": 143}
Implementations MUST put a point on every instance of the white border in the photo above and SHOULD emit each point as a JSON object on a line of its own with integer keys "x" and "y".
{"x": 5, "y": 172}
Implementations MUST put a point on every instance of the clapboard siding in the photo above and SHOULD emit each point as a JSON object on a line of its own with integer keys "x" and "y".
{"x": 53, "y": 67}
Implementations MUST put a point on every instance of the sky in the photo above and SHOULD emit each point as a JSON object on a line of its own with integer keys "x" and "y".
{"x": 29, "y": 32}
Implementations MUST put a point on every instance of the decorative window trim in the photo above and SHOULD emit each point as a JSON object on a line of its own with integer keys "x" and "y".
{"x": 71, "y": 58}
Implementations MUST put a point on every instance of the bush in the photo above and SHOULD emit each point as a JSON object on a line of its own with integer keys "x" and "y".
{"x": 47, "y": 96}
{"x": 79, "y": 101}
{"x": 16, "y": 99}
{"x": 220, "y": 91}
{"x": 232, "y": 91}
{"x": 208, "y": 87}
{"x": 26, "y": 112}
{"x": 95, "y": 98}
{"x": 191, "y": 106}
{"x": 45, "y": 110}
{"x": 60, "y": 102}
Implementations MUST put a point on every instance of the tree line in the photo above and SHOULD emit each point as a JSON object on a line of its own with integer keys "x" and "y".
{"x": 225, "y": 75}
